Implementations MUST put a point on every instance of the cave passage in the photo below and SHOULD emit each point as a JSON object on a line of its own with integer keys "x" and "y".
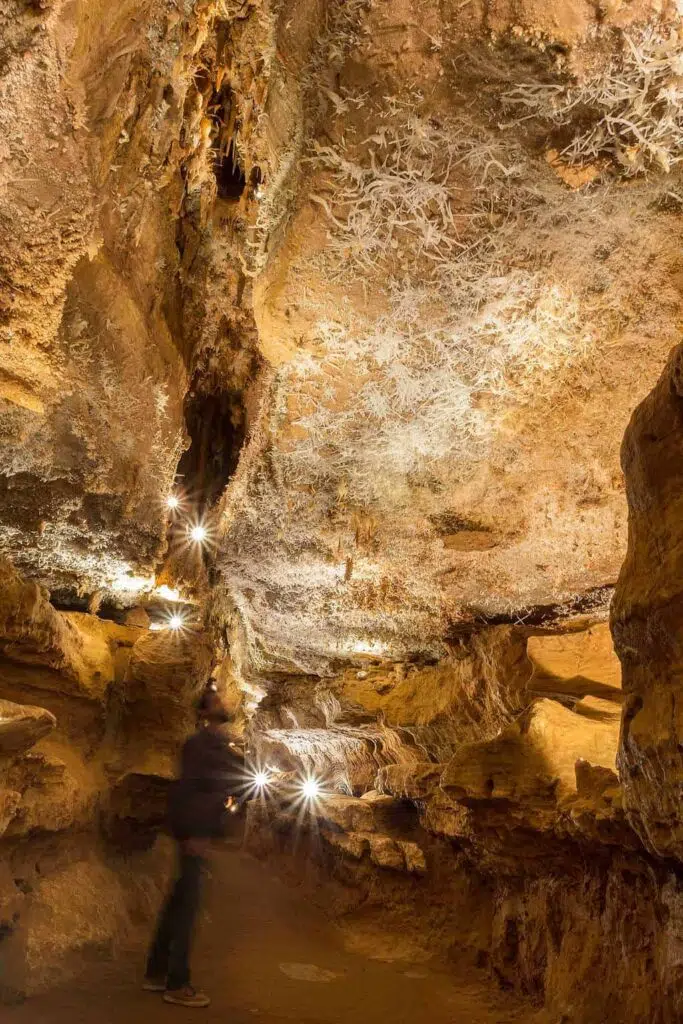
{"x": 216, "y": 424}
{"x": 341, "y": 378}
{"x": 268, "y": 956}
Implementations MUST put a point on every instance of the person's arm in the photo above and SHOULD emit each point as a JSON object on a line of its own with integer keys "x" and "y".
{"x": 227, "y": 774}
{"x": 223, "y": 765}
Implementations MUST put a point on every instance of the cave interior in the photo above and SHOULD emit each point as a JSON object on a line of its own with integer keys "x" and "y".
{"x": 340, "y": 365}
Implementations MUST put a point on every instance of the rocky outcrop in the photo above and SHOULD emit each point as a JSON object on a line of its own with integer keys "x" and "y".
{"x": 410, "y": 472}
{"x": 347, "y": 727}
{"x": 91, "y": 717}
{"x": 377, "y": 830}
{"x": 470, "y": 694}
{"x": 568, "y": 666}
{"x": 21, "y": 727}
{"x": 517, "y": 853}
{"x": 645, "y": 617}
{"x": 545, "y": 743}
{"x": 372, "y": 288}
{"x": 34, "y": 634}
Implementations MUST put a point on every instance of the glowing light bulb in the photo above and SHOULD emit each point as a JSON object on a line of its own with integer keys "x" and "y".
{"x": 175, "y": 622}
{"x": 311, "y": 789}
{"x": 261, "y": 779}
{"x": 198, "y": 534}
{"x": 172, "y": 501}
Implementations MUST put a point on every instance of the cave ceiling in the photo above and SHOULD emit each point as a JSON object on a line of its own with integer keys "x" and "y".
{"x": 375, "y": 285}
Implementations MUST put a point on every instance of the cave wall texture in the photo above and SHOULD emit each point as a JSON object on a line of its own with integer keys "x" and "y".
{"x": 379, "y": 242}
{"x": 374, "y": 286}
{"x": 82, "y": 788}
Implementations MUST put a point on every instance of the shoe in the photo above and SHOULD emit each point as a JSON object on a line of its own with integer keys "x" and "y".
{"x": 154, "y": 985}
{"x": 187, "y": 996}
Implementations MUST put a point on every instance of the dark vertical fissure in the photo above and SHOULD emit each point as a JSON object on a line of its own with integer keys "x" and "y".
{"x": 216, "y": 423}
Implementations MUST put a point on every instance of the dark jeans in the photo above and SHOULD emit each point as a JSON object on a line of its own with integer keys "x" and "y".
{"x": 169, "y": 956}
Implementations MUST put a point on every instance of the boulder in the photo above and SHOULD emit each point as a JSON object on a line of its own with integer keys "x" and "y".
{"x": 386, "y": 852}
{"x": 21, "y": 726}
{"x": 57, "y": 793}
{"x": 346, "y": 814}
{"x": 69, "y": 653}
{"x": 350, "y": 844}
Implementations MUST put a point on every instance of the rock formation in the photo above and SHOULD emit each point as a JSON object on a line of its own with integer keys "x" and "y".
{"x": 321, "y": 325}
{"x": 82, "y": 789}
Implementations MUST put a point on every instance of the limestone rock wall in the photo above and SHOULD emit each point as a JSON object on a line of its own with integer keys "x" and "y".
{"x": 588, "y": 933}
{"x": 348, "y": 726}
{"x": 543, "y": 839}
{"x": 110, "y": 120}
{"x": 89, "y": 355}
{"x": 344, "y": 234}
{"x": 435, "y": 297}
{"x": 646, "y": 616}
{"x": 91, "y": 717}
{"x": 517, "y": 851}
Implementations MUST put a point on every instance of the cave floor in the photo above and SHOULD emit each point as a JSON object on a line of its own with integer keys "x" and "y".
{"x": 259, "y": 932}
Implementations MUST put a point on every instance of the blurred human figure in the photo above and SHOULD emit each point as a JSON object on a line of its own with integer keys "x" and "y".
{"x": 210, "y": 778}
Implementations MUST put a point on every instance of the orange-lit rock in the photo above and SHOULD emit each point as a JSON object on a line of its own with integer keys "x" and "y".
{"x": 645, "y": 618}
{"x": 22, "y": 726}
{"x": 369, "y": 290}
{"x": 82, "y": 789}
{"x": 575, "y": 662}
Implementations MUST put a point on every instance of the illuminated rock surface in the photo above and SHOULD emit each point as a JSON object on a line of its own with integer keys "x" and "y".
{"x": 321, "y": 326}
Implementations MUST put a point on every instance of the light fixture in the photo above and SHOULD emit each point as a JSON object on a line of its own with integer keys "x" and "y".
{"x": 261, "y": 779}
{"x": 198, "y": 533}
{"x": 310, "y": 789}
{"x": 174, "y": 621}
{"x": 173, "y": 501}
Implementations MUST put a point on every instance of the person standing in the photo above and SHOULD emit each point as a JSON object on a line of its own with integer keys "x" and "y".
{"x": 211, "y": 777}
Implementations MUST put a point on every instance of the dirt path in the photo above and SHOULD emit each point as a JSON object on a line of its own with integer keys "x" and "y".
{"x": 267, "y": 957}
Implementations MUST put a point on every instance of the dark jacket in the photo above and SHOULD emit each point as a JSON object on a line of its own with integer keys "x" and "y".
{"x": 210, "y": 772}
